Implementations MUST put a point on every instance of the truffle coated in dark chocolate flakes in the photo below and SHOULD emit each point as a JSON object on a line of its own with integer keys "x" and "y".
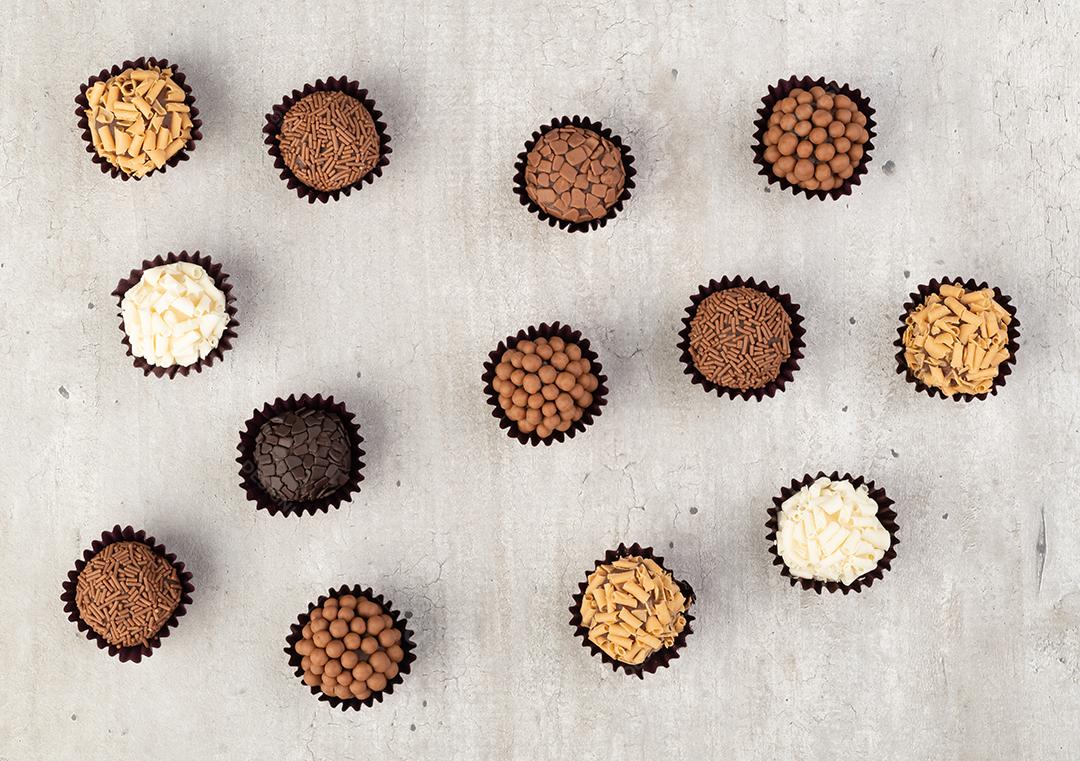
{"x": 302, "y": 455}
{"x": 575, "y": 174}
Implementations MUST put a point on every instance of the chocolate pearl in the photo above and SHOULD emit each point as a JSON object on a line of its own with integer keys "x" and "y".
{"x": 362, "y": 671}
{"x": 346, "y": 614}
{"x": 520, "y": 397}
{"x": 315, "y": 614}
{"x": 396, "y": 653}
{"x": 349, "y": 659}
{"x": 536, "y": 401}
{"x": 376, "y": 682}
{"x": 824, "y": 152}
{"x": 842, "y": 145}
{"x": 818, "y": 136}
{"x": 312, "y": 680}
{"x": 359, "y": 690}
{"x": 503, "y": 370}
{"x": 565, "y": 401}
{"x": 351, "y": 640}
{"x": 801, "y": 96}
{"x": 804, "y": 169}
{"x": 556, "y": 343}
{"x": 803, "y": 111}
{"x": 517, "y": 378}
{"x": 821, "y": 118}
{"x": 547, "y": 374}
{"x": 585, "y": 401}
{"x": 390, "y": 636}
{"x": 785, "y": 165}
{"x": 550, "y": 391}
{"x": 549, "y": 409}
{"x": 358, "y": 625}
{"x": 855, "y": 153}
{"x": 846, "y": 173}
{"x": 319, "y": 625}
{"x": 379, "y": 661}
{"x": 842, "y": 115}
{"x": 316, "y": 669}
{"x": 305, "y": 663}
{"x": 531, "y": 363}
{"x": 335, "y": 648}
{"x": 839, "y": 163}
{"x": 786, "y": 146}
{"x": 328, "y": 684}
{"x": 817, "y": 91}
{"x": 852, "y": 132}
{"x": 863, "y": 136}
{"x": 565, "y": 381}
{"x": 333, "y": 668}
{"x": 811, "y": 184}
{"x": 825, "y": 102}
{"x": 369, "y": 645}
{"x": 802, "y": 129}
{"x": 787, "y": 105}
{"x": 342, "y": 692}
{"x": 822, "y": 172}
{"x": 532, "y": 383}
{"x": 828, "y": 184}
{"x": 859, "y": 118}
{"x": 506, "y": 355}
{"x": 321, "y": 639}
{"x": 526, "y": 347}
{"x": 515, "y": 414}
{"x": 347, "y": 601}
{"x": 376, "y": 624}
{"x": 338, "y": 628}
{"x": 566, "y": 415}
{"x": 772, "y": 135}
{"x": 573, "y": 351}
{"x": 533, "y": 418}
{"x": 843, "y": 101}
{"x": 515, "y": 358}
{"x": 805, "y": 149}
{"x": 836, "y": 129}
{"x": 577, "y": 391}
{"x": 544, "y": 351}
{"x": 345, "y": 678}
{"x": 391, "y": 671}
{"x": 550, "y": 422}
{"x": 788, "y": 121}
{"x": 304, "y": 647}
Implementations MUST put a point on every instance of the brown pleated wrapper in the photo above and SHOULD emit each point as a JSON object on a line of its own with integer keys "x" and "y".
{"x": 105, "y": 75}
{"x": 134, "y": 653}
{"x": 586, "y": 123}
{"x": 407, "y": 644}
{"x": 778, "y": 92}
{"x": 221, "y": 280}
{"x": 570, "y": 335}
{"x": 915, "y": 300}
{"x": 250, "y": 484}
{"x": 787, "y": 369}
{"x": 661, "y": 658}
{"x": 273, "y": 125}
{"x": 885, "y": 514}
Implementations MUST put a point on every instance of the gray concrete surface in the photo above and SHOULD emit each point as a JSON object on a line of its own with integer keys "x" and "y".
{"x": 970, "y": 649}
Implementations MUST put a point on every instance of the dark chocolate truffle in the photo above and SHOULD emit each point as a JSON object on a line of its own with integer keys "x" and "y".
{"x": 574, "y": 174}
{"x": 302, "y": 455}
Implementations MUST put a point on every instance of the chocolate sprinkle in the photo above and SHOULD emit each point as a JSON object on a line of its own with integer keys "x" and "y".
{"x": 126, "y": 593}
{"x": 740, "y": 337}
{"x": 329, "y": 140}
{"x": 302, "y": 455}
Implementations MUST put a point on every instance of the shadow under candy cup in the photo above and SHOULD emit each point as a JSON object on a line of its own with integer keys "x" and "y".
{"x": 663, "y": 657}
{"x": 221, "y": 280}
{"x": 249, "y": 481}
{"x": 521, "y": 190}
{"x": 885, "y": 514}
{"x": 787, "y": 368}
{"x": 103, "y": 76}
{"x": 276, "y": 116}
{"x": 135, "y": 653}
{"x": 568, "y": 334}
{"x": 781, "y": 90}
{"x": 917, "y": 299}
{"x": 408, "y": 645}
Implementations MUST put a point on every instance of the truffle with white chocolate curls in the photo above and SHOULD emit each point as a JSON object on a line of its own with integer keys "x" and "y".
{"x": 957, "y": 339}
{"x": 138, "y": 119}
{"x": 829, "y": 530}
{"x": 632, "y": 608}
{"x": 174, "y": 315}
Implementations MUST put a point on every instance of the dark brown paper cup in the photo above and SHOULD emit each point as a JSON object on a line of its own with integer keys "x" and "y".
{"x": 885, "y": 514}
{"x": 273, "y": 126}
{"x": 570, "y": 335}
{"x": 585, "y": 123}
{"x": 264, "y": 500}
{"x": 787, "y": 369}
{"x": 221, "y": 280}
{"x": 915, "y": 300}
{"x": 134, "y": 653}
{"x": 105, "y": 75}
{"x": 407, "y": 644}
{"x": 778, "y": 92}
{"x": 661, "y": 658}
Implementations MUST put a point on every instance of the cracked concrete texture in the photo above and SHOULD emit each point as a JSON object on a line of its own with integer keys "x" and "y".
{"x": 391, "y": 299}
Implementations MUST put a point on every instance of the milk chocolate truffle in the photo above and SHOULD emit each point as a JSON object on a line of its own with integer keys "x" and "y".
{"x": 574, "y": 174}
{"x": 329, "y": 140}
{"x": 302, "y": 455}
{"x": 740, "y": 338}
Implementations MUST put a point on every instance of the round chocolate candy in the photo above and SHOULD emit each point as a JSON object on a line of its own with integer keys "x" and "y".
{"x": 302, "y": 455}
{"x": 574, "y": 174}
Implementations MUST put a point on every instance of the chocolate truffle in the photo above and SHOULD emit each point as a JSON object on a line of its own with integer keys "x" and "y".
{"x": 126, "y": 593}
{"x": 574, "y": 174}
{"x": 302, "y": 455}
{"x": 740, "y": 338}
{"x": 329, "y": 140}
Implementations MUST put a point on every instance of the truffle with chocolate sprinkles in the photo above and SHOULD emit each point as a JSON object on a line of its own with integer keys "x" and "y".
{"x": 328, "y": 139}
{"x": 302, "y": 455}
{"x": 740, "y": 337}
{"x": 126, "y": 593}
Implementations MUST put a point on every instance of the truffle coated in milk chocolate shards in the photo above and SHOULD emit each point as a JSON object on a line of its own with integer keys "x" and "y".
{"x": 302, "y": 455}
{"x": 575, "y": 174}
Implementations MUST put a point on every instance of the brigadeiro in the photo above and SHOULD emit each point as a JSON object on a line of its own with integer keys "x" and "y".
{"x": 741, "y": 338}
{"x": 814, "y": 137}
{"x": 327, "y": 139}
{"x": 351, "y": 648}
{"x": 126, "y": 593}
{"x": 545, "y": 384}
{"x": 301, "y": 455}
{"x": 574, "y": 173}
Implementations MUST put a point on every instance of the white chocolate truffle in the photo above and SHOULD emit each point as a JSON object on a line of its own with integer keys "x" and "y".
{"x": 174, "y": 315}
{"x": 830, "y": 531}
